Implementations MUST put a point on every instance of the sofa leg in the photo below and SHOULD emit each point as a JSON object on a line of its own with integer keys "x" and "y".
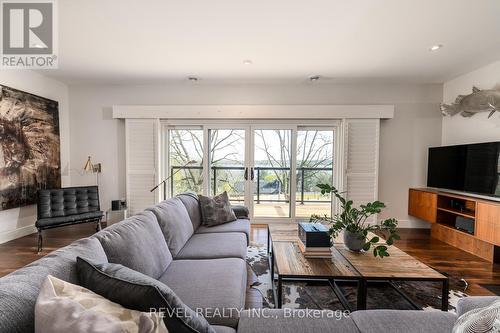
{"x": 98, "y": 226}
{"x": 40, "y": 242}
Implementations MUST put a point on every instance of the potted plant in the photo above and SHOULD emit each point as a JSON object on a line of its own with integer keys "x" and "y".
{"x": 353, "y": 222}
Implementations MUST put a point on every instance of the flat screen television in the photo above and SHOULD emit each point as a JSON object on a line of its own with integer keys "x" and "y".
{"x": 472, "y": 168}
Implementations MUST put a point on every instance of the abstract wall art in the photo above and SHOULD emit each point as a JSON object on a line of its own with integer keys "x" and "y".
{"x": 29, "y": 147}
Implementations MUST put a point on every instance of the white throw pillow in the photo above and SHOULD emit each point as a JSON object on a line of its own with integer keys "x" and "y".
{"x": 485, "y": 319}
{"x": 62, "y": 307}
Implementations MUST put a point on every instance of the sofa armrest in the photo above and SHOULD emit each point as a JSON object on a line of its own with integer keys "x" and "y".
{"x": 473, "y": 302}
{"x": 240, "y": 211}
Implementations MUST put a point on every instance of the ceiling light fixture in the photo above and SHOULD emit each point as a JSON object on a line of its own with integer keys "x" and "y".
{"x": 435, "y": 47}
{"x": 247, "y": 62}
{"x": 193, "y": 79}
{"x": 314, "y": 78}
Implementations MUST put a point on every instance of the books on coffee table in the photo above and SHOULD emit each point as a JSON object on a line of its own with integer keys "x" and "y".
{"x": 314, "y": 252}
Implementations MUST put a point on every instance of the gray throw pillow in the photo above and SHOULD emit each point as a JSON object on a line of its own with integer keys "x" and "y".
{"x": 136, "y": 291}
{"x": 216, "y": 210}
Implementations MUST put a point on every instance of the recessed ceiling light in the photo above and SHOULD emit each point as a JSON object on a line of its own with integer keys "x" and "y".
{"x": 314, "y": 78}
{"x": 247, "y": 62}
{"x": 435, "y": 47}
{"x": 193, "y": 79}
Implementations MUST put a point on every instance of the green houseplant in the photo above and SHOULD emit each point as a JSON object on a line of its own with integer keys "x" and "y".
{"x": 353, "y": 222}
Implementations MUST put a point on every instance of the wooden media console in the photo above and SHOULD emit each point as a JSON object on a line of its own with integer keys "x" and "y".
{"x": 443, "y": 209}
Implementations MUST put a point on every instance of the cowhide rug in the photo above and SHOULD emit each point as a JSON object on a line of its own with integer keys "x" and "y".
{"x": 318, "y": 295}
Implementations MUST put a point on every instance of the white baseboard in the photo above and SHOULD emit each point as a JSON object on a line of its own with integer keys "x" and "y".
{"x": 16, "y": 233}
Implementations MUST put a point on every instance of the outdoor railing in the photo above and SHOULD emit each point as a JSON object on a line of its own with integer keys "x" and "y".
{"x": 301, "y": 172}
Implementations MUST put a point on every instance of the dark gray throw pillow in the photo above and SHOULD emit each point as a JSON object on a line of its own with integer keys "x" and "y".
{"x": 140, "y": 292}
{"x": 216, "y": 210}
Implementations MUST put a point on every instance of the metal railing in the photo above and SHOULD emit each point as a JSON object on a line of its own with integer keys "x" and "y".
{"x": 301, "y": 172}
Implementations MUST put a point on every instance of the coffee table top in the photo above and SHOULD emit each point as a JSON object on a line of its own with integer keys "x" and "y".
{"x": 399, "y": 265}
{"x": 344, "y": 263}
{"x": 284, "y": 232}
{"x": 291, "y": 263}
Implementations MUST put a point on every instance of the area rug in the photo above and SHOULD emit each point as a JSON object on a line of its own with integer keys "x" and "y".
{"x": 318, "y": 295}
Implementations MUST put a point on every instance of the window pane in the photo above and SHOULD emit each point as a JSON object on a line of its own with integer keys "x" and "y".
{"x": 186, "y": 145}
{"x": 314, "y": 166}
{"x": 227, "y": 158}
{"x": 272, "y": 173}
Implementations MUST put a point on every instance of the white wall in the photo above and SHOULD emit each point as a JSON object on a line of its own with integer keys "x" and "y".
{"x": 404, "y": 139}
{"x": 19, "y": 222}
{"x": 478, "y": 128}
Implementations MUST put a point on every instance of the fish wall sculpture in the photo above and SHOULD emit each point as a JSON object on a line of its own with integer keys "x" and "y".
{"x": 478, "y": 101}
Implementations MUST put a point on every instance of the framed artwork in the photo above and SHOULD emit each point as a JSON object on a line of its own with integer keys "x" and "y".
{"x": 30, "y": 157}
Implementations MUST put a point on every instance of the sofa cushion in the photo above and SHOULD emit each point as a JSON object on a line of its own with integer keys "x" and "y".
{"x": 190, "y": 201}
{"x": 240, "y": 225}
{"x": 213, "y": 246}
{"x": 137, "y": 291}
{"x": 216, "y": 210}
{"x": 295, "y": 321}
{"x": 63, "y": 307}
{"x": 212, "y": 285}
{"x": 67, "y": 219}
{"x": 174, "y": 223}
{"x": 19, "y": 290}
{"x": 394, "y": 321}
{"x": 137, "y": 243}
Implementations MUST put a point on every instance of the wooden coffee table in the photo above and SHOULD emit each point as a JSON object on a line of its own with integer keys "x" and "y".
{"x": 288, "y": 264}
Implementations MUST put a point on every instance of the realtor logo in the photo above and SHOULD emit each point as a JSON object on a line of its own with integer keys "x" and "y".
{"x": 28, "y": 34}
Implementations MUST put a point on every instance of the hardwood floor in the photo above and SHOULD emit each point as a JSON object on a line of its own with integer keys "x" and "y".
{"x": 22, "y": 251}
{"x": 450, "y": 260}
{"x": 416, "y": 242}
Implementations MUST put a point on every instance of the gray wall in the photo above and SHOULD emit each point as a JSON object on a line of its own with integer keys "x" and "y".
{"x": 403, "y": 145}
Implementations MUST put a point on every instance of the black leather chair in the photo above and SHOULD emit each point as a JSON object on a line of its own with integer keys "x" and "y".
{"x": 67, "y": 206}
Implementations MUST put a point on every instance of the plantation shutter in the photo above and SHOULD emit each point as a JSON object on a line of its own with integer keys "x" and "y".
{"x": 362, "y": 149}
{"x": 141, "y": 163}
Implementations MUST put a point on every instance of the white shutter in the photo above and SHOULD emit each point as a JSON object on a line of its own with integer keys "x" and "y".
{"x": 362, "y": 151}
{"x": 141, "y": 161}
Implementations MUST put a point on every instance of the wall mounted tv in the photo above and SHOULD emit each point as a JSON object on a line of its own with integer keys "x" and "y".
{"x": 472, "y": 168}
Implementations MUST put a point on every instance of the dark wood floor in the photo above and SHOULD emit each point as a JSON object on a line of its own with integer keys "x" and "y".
{"x": 450, "y": 260}
{"x": 22, "y": 251}
{"x": 416, "y": 242}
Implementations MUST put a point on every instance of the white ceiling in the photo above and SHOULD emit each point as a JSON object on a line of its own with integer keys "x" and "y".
{"x": 155, "y": 41}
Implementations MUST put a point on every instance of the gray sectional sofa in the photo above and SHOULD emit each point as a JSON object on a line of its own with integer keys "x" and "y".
{"x": 204, "y": 266}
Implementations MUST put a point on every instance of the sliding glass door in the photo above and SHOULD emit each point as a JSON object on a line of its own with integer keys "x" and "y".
{"x": 272, "y": 169}
{"x": 272, "y": 162}
{"x": 185, "y": 160}
{"x": 315, "y": 146}
{"x": 227, "y": 163}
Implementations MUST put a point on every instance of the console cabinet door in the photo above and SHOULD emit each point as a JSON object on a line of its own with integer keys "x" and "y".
{"x": 488, "y": 222}
{"x": 423, "y": 205}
